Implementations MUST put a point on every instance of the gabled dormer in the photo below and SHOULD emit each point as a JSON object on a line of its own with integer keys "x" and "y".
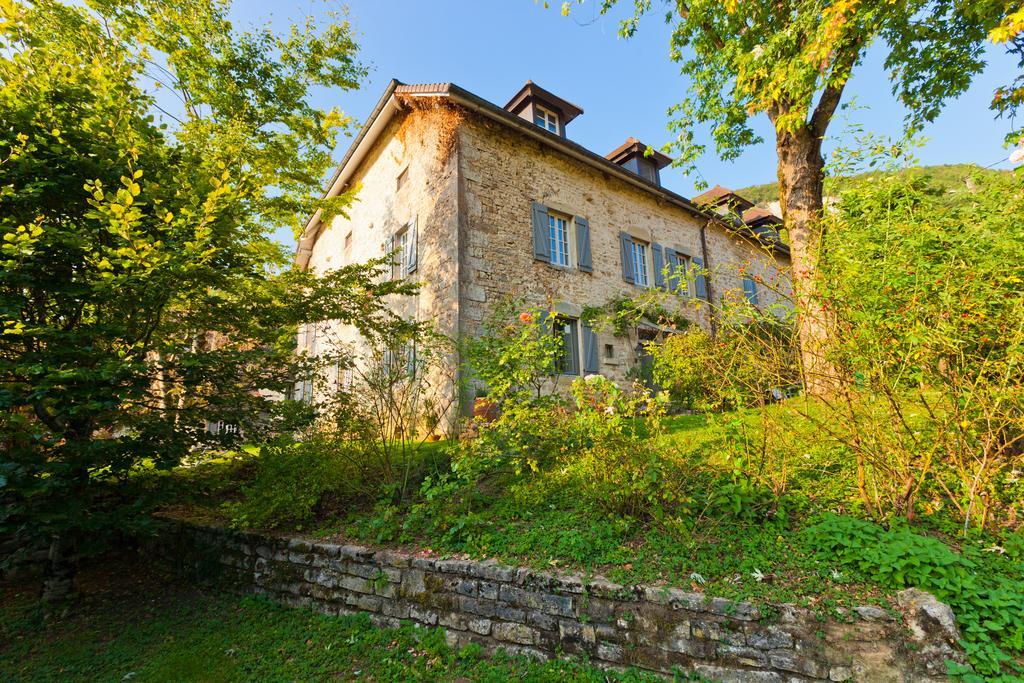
{"x": 543, "y": 108}
{"x": 632, "y": 155}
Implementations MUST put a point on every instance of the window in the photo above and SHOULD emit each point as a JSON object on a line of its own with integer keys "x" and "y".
{"x": 401, "y": 251}
{"x": 402, "y": 177}
{"x": 609, "y": 351}
{"x": 638, "y": 255}
{"x": 558, "y": 237}
{"x": 569, "y": 362}
{"x": 750, "y": 290}
{"x": 403, "y": 245}
{"x": 678, "y": 272}
{"x": 545, "y": 119}
{"x": 346, "y": 251}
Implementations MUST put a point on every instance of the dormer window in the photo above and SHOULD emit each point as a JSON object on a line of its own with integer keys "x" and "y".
{"x": 633, "y": 155}
{"x": 547, "y": 120}
{"x": 542, "y": 108}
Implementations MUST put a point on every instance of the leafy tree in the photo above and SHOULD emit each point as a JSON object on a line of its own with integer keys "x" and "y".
{"x": 791, "y": 60}
{"x": 140, "y": 294}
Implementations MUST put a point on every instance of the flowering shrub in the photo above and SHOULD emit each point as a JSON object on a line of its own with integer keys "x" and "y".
{"x": 515, "y": 354}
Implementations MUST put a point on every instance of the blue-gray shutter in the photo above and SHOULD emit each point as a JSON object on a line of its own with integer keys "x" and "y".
{"x": 541, "y": 235}
{"x": 572, "y": 347}
{"x": 583, "y": 258}
{"x": 700, "y": 279}
{"x": 659, "y": 265}
{"x": 627, "y": 262}
{"x": 410, "y": 248}
{"x": 750, "y": 289}
{"x": 672, "y": 260}
{"x": 590, "y": 364}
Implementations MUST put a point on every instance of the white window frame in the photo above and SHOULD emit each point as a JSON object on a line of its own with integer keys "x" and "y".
{"x": 560, "y": 239}
{"x": 400, "y": 266}
{"x": 638, "y": 251}
{"x": 546, "y": 119}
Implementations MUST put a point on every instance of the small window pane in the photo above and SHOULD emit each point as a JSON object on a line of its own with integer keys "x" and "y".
{"x": 558, "y": 237}
{"x": 639, "y": 254}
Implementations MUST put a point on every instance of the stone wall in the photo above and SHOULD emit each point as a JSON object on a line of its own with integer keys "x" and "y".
{"x": 501, "y": 172}
{"x": 544, "y": 615}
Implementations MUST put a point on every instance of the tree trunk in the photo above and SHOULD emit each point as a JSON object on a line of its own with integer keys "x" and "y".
{"x": 801, "y": 175}
{"x": 58, "y": 576}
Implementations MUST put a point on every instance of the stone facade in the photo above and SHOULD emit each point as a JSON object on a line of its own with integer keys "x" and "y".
{"x": 468, "y": 181}
{"x": 543, "y": 615}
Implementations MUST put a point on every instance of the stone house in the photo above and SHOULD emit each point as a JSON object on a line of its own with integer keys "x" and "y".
{"x": 482, "y": 203}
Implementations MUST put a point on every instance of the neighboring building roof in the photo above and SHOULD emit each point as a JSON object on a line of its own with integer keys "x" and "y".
{"x": 759, "y": 216}
{"x": 388, "y": 106}
{"x": 633, "y": 146}
{"x": 718, "y": 195}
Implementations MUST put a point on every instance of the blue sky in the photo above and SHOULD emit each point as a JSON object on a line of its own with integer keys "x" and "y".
{"x": 491, "y": 47}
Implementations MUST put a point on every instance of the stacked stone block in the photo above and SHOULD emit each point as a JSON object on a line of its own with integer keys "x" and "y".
{"x": 541, "y": 615}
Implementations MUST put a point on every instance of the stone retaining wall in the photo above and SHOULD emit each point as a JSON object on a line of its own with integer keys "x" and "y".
{"x": 543, "y": 615}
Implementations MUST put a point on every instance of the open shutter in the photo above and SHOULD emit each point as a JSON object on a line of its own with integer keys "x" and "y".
{"x": 659, "y": 265}
{"x": 410, "y": 248}
{"x": 583, "y": 257}
{"x": 389, "y": 248}
{"x": 672, "y": 261}
{"x": 625, "y": 242}
{"x": 541, "y": 238}
{"x": 750, "y": 290}
{"x": 572, "y": 348}
{"x": 700, "y": 279}
{"x": 590, "y": 365}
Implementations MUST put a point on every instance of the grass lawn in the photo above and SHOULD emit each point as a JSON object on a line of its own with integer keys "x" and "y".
{"x": 133, "y": 623}
{"x": 773, "y": 525}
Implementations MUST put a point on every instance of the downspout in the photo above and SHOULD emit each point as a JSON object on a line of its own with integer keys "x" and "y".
{"x": 712, "y": 319}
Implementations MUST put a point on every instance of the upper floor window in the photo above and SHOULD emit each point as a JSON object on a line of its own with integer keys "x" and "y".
{"x": 403, "y": 245}
{"x": 558, "y": 237}
{"x": 561, "y": 239}
{"x": 346, "y": 251}
{"x": 402, "y": 177}
{"x": 546, "y": 119}
{"x": 638, "y": 256}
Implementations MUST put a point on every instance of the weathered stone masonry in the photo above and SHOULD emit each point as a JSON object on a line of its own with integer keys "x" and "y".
{"x": 543, "y": 615}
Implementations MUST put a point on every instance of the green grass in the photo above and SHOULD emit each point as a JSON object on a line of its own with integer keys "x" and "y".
{"x": 134, "y": 624}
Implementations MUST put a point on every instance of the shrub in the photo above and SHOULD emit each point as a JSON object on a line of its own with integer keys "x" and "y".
{"x": 927, "y": 318}
{"x": 749, "y": 363}
{"x": 291, "y": 481}
{"x": 989, "y": 605}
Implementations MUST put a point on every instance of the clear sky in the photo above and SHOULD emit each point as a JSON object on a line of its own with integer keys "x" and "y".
{"x": 491, "y": 47}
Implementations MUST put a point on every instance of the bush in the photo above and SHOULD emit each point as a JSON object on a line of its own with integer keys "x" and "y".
{"x": 291, "y": 481}
{"x": 989, "y": 605}
{"x": 749, "y": 363}
{"x": 927, "y": 322}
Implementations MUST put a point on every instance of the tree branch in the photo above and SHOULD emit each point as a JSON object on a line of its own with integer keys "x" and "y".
{"x": 684, "y": 12}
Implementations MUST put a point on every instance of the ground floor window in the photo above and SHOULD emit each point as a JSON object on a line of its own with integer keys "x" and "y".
{"x": 567, "y": 329}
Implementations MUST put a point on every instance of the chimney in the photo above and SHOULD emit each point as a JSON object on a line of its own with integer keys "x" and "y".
{"x": 543, "y": 108}
{"x": 632, "y": 155}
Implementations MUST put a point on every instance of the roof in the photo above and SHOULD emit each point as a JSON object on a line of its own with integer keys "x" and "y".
{"x": 388, "y": 105}
{"x": 718, "y": 195}
{"x": 710, "y": 196}
{"x": 759, "y": 215}
{"x": 633, "y": 146}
